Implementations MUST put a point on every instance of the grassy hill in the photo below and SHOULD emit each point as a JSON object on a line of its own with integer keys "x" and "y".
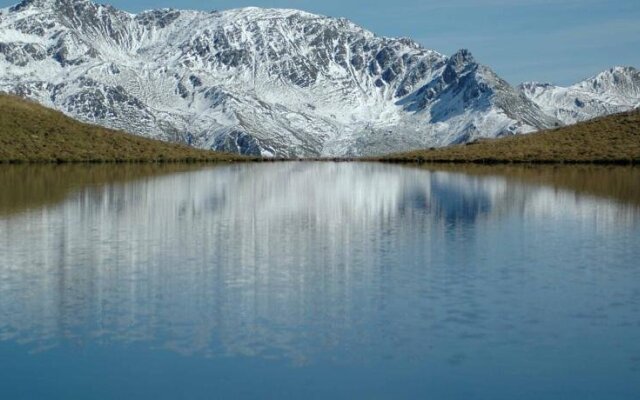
{"x": 614, "y": 139}
{"x": 30, "y": 132}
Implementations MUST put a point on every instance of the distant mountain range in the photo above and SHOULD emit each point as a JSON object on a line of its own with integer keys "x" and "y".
{"x": 609, "y": 92}
{"x": 275, "y": 82}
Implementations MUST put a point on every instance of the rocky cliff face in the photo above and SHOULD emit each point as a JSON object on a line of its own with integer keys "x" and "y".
{"x": 255, "y": 81}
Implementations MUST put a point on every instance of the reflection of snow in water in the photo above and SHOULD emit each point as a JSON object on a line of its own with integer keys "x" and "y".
{"x": 293, "y": 260}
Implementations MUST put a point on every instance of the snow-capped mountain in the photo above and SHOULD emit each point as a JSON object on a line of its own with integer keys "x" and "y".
{"x": 612, "y": 91}
{"x": 255, "y": 81}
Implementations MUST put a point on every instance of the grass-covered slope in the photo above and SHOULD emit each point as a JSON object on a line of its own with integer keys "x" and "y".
{"x": 613, "y": 139}
{"x": 30, "y": 132}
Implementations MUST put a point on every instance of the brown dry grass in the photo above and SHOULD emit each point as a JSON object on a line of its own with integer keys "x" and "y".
{"x": 614, "y": 139}
{"x": 30, "y": 132}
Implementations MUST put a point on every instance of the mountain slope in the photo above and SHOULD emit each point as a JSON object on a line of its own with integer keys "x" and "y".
{"x": 254, "y": 81}
{"x": 609, "y": 139}
{"x": 32, "y": 133}
{"x": 612, "y": 91}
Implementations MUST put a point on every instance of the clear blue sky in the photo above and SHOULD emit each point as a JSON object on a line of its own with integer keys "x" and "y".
{"x": 559, "y": 41}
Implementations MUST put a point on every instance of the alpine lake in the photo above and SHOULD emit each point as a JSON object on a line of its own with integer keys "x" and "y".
{"x": 305, "y": 280}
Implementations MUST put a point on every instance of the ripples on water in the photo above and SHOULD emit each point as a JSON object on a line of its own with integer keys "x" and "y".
{"x": 340, "y": 280}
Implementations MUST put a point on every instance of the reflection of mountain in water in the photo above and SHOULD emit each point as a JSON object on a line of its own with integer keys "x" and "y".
{"x": 445, "y": 200}
{"x": 281, "y": 260}
{"x": 458, "y": 200}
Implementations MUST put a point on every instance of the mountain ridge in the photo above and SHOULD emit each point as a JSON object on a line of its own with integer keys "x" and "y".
{"x": 268, "y": 82}
{"x": 609, "y": 92}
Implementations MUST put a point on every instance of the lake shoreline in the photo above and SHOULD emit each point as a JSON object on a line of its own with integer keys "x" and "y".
{"x": 33, "y": 134}
{"x": 408, "y": 161}
{"x": 490, "y": 161}
{"x": 215, "y": 159}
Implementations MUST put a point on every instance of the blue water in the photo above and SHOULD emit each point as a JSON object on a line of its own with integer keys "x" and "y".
{"x": 319, "y": 280}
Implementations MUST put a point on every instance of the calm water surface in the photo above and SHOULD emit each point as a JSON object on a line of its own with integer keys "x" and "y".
{"x": 319, "y": 280}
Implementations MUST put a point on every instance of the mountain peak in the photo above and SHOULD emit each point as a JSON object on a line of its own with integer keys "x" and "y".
{"x": 462, "y": 56}
{"x": 46, "y": 3}
{"x": 623, "y": 69}
{"x": 618, "y": 76}
{"x": 531, "y": 86}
